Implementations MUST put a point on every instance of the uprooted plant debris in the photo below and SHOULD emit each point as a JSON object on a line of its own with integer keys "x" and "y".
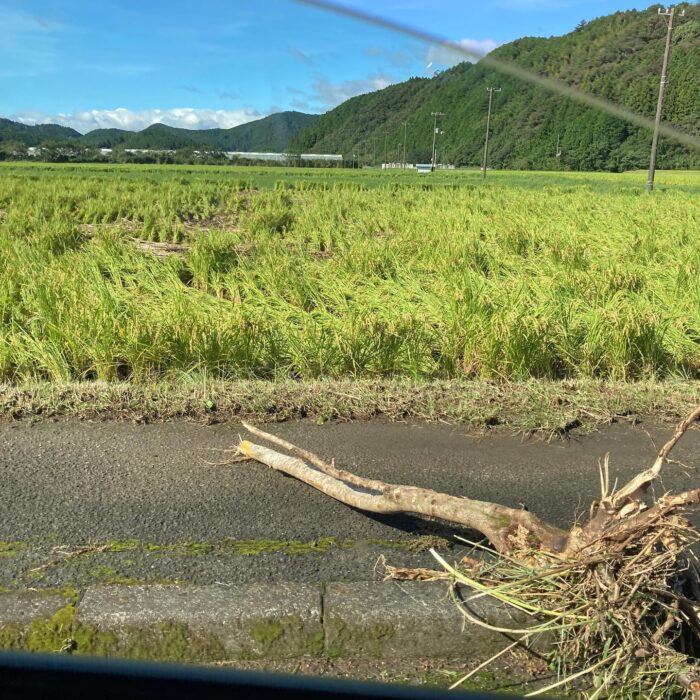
{"x": 617, "y": 596}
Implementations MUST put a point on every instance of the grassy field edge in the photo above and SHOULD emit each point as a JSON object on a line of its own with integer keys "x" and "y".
{"x": 533, "y": 405}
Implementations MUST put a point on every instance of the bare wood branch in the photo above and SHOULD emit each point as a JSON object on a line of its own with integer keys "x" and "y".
{"x": 498, "y": 523}
{"x": 649, "y": 540}
{"x": 314, "y": 459}
{"x": 616, "y": 532}
{"x": 636, "y": 488}
{"x": 670, "y": 621}
{"x": 616, "y": 518}
{"x": 690, "y": 681}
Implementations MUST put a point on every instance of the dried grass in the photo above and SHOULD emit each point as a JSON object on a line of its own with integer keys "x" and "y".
{"x": 620, "y": 614}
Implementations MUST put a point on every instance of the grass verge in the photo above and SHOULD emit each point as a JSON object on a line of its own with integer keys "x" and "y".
{"x": 534, "y": 405}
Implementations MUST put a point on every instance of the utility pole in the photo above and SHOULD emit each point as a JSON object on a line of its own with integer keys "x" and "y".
{"x": 491, "y": 90}
{"x": 437, "y": 143}
{"x": 374, "y": 150}
{"x": 435, "y": 116}
{"x": 386, "y": 136}
{"x": 398, "y": 151}
{"x": 405, "y": 126}
{"x": 558, "y": 147}
{"x": 670, "y": 13}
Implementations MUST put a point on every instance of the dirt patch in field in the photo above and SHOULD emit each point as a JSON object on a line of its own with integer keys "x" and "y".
{"x": 161, "y": 250}
{"x": 221, "y": 220}
{"x": 126, "y": 225}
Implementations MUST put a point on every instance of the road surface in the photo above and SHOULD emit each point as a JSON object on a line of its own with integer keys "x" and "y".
{"x": 171, "y": 516}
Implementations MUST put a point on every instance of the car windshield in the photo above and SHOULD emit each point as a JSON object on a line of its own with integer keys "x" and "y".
{"x": 437, "y": 262}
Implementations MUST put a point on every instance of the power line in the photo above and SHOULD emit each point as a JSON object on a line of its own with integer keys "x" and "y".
{"x": 491, "y": 90}
{"x": 670, "y": 13}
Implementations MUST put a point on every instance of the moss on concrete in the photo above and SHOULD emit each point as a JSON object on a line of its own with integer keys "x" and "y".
{"x": 54, "y": 634}
{"x": 44, "y": 634}
{"x": 316, "y": 643}
{"x": 69, "y": 593}
{"x": 286, "y": 637}
{"x": 61, "y": 632}
{"x": 367, "y": 640}
{"x": 122, "y": 545}
{"x": 106, "y": 575}
{"x": 335, "y": 637}
{"x": 228, "y": 547}
{"x": 11, "y": 637}
{"x": 10, "y": 550}
{"x": 267, "y": 633}
{"x": 168, "y": 641}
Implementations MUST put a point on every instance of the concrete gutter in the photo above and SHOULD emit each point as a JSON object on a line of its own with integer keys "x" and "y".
{"x": 249, "y": 621}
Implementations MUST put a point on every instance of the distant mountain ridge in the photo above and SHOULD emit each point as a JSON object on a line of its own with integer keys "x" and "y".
{"x": 617, "y": 57}
{"x": 34, "y": 135}
{"x": 271, "y": 133}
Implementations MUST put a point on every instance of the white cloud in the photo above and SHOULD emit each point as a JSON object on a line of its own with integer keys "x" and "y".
{"x": 121, "y": 118}
{"x": 454, "y": 52}
{"x": 329, "y": 94}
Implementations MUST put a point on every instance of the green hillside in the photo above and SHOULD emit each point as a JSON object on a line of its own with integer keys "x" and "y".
{"x": 617, "y": 57}
{"x": 105, "y": 138}
{"x": 162, "y": 137}
{"x": 272, "y": 133}
{"x": 34, "y": 135}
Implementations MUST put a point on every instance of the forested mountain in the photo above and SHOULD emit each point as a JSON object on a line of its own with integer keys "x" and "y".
{"x": 162, "y": 137}
{"x": 106, "y": 138}
{"x": 34, "y": 135}
{"x": 272, "y": 133}
{"x": 617, "y": 57}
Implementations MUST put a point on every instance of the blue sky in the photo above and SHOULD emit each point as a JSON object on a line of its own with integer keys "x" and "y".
{"x": 129, "y": 63}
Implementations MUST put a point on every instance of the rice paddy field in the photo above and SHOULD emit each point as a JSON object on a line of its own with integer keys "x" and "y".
{"x": 144, "y": 273}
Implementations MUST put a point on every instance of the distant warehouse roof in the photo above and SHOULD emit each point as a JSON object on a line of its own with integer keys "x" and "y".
{"x": 250, "y": 155}
{"x": 282, "y": 156}
{"x": 321, "y": 156}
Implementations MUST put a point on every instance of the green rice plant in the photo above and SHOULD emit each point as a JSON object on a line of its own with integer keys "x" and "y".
{"x": 346, "y": 274}
{"x": 213, "y": 254}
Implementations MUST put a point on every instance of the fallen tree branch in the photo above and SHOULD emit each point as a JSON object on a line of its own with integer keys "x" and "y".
{"x": 500, "y": 524}
{"x": 613, "y": 519}
{"x": 314, "y": 459}
{"x": 636, "y": 488}
{"x": 690, "y": 682}
{"x": 619, "y": 591}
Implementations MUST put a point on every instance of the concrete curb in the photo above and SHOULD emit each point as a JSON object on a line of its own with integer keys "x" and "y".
{"x": 248, "y": 621}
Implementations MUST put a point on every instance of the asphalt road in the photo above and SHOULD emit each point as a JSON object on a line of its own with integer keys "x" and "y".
{"x": 73, "y": 483}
